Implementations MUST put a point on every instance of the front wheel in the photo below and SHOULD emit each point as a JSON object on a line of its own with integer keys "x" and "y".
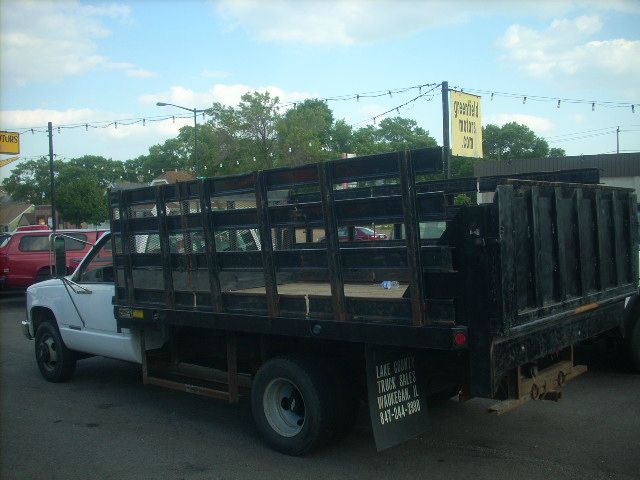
{"x": 294, "y": 405}
{"x": 55, "y": 361}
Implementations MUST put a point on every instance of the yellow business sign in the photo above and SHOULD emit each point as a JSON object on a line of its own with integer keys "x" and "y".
{"x": 466, "y": 125}
{"x": 9, "y": 142}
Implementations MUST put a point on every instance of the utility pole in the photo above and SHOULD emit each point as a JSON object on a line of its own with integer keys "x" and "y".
{"x": 618, "y": 139}
{"x": 446, "y": 147}
{"x": 53, "y": 180}
{"x": 195, "y": 143}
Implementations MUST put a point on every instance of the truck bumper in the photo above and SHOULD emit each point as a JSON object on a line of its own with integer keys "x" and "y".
{"x": 26, "y": 329}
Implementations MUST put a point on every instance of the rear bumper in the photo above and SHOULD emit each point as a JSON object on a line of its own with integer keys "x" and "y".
{"x": 507, "y": 353}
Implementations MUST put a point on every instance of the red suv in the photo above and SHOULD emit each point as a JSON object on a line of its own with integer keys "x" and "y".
{"x": 360, "y": 234}
{"x": 24, "y": 254}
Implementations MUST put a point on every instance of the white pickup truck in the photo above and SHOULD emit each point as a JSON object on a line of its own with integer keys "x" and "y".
{"x": 72, "y": 317}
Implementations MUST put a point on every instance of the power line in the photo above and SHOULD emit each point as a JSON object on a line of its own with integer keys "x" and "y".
{"x": 581, "y": 137}
{"x": 558, "y": 100}
{"x": 346, "y": 97}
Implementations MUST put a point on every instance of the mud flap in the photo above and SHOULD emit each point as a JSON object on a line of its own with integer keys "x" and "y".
{"x": 397, "y": 395}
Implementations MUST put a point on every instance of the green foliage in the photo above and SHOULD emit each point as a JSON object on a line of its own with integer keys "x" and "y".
{"x": 557, "y": 152}
{"x": 512, "y": 141}
{"x": 305, "y": 133}
{"x": 391, "y": 135}
{"x": 461, "y": 167}
{"x": 462, "y": 199}
{"x": 30, "y": 181}
{"x": 80, "y": 198}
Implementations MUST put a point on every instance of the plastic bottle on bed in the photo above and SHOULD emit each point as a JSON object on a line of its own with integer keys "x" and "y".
{"x": 389, "y": 284}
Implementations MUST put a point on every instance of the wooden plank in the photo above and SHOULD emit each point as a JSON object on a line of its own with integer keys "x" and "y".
{"x": 412, "y": 232}
{"x": 165, "y": 249}
{"x": 127, "y": 249}
{"x": 126, "y": 259}
{"x": 582, "y": 259}
{"x": 535, "y": 225}
{"x": 616, "y": 239}
{"x": 601, "y": 238}
{"x": 508, "y": 274}
{"x": 266, "y": 241}
{"x": 210, "y": 248}
{"x": 560, "y": 245}
{"x": 334, "y": 261}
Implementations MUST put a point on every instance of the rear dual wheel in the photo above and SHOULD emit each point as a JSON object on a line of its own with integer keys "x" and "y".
{"x": 299, "y": 404}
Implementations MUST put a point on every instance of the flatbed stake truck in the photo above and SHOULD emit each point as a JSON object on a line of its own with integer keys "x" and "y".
{"x": 255, "y": 285}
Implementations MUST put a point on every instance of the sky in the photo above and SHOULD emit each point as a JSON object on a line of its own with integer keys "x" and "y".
{"x": 76, "y": 62}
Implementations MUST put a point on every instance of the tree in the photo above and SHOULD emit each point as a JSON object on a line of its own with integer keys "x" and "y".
{"x": 512, "y": 141}
{"x": 80, "y": 197}
{"x": 305, "y": 133}
{"x": 259, "y": 117}
{"x": 392, "y": 134}
{"x": 341, "y": 139}
{"x": 557, "y": 152}
{"x": 30, "y": 181}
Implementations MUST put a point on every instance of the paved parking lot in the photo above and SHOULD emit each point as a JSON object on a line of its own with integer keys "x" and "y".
{"x": 106, "y": 424}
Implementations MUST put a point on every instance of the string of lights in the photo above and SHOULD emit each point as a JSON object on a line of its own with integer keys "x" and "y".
{"x": 374, "y": 94}
{"x": 397, "y": 108}
{"x": 346, "y": 97}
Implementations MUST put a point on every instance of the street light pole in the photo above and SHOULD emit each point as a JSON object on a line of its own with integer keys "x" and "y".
{"x": 195, "y": 131}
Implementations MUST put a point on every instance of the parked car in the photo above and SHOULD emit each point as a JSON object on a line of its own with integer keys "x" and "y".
{"x": 360, "y": 234}
{"x": 24, "y": 254}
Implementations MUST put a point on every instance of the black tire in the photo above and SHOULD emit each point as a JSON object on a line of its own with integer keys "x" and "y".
{"x": 294, "y": 403}
{"x": 55, "y": 361}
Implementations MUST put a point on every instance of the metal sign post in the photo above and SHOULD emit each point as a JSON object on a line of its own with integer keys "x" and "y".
{"x": 446, "y": 146}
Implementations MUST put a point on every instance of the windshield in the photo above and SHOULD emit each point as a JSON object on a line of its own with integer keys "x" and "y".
{"x": 4, "y": 239}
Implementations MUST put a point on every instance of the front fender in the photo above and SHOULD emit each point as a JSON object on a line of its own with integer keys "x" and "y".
{"x": 51, "y": 295}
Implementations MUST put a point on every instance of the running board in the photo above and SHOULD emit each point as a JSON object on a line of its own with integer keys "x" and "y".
{"x": 189, "y": 388}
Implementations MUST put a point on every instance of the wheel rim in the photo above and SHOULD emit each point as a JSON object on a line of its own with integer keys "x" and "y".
{"x": 283, "y": 407}
{"x": 48, "y": 353}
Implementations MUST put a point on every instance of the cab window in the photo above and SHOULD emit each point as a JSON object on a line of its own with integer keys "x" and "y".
{"x": 40, "y": 243}
{"x": 99, "y": 268}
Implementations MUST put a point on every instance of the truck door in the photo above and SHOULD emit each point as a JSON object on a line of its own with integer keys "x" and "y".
{"x": 92, "y": 293}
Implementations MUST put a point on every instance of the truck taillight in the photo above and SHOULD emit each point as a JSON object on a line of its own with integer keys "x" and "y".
{"x": 459, "y": 339}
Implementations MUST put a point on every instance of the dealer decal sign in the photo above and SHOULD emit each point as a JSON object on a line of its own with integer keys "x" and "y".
{"x": 397, "y": 402}
{"x": 9, "y": 142}
{"x": 466, "y": 125}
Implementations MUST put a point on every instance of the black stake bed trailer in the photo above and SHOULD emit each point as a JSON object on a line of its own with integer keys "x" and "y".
{"x": 266, "y": 277}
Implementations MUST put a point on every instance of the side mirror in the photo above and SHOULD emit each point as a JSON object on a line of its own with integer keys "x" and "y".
{"x": 60, "y": 252}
